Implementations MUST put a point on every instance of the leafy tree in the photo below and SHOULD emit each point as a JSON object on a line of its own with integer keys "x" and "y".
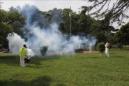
{"x": 85, "y": 22}
{"x": 65, "y": 25}
{"x": 115, "y": 9}
{"x": 10, "y": 21}
{"x": 122, "y": 36}
{"x": 16, "y": 20}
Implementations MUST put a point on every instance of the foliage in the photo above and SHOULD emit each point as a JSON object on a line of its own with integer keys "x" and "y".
{"x": 112, "y": 10}
{"x": 122, "y": 35}
{"x": 10, "y": 21}
{"x": 101, "y": 47}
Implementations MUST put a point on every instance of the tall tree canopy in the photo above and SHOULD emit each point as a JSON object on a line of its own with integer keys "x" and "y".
{"x": 113, "y": 10}
{"x": 10, "y": 21}
{"x": 122, "y": 36}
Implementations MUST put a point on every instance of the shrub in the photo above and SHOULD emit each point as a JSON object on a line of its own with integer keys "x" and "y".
{"x": 0, "y": 45}
{"x": 119, "y": 45}
{"x": 43, "y": 50}
{"x": 101, "y": 47}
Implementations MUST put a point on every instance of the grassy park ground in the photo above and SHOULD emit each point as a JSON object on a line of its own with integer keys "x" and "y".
{"x": 82, "y": 69}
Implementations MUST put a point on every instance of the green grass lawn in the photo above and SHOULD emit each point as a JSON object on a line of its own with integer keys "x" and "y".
{"x": 69, "y": 70}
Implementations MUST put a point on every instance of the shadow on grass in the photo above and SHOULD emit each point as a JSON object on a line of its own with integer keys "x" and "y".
{"x": 14, "y": 60}
{"x": 10, "y": 60}
{"x": 37, "y": 61}
{"x": 41, "y": 81}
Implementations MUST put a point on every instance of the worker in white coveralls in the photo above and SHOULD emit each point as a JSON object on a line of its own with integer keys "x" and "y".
{"x": 23, "y": 55}
{"x": 107, "y": 46}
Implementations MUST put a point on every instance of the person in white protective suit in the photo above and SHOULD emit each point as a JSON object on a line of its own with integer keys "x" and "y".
{"x": 107, "y": 45}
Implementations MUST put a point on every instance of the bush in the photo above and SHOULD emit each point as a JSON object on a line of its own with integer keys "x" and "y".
{"x": 43, "y": 50}
{"x": 119, "y": 45}
{"x": 101, "y": 47}
{"x": 0, "y": 46}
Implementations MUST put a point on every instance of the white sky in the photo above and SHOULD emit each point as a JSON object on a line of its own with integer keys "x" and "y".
{"x": 45, "y": 5}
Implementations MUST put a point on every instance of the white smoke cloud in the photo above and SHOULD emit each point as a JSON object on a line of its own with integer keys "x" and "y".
{"x": 15, "y": 42}
{"x": 50, "y": 36}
